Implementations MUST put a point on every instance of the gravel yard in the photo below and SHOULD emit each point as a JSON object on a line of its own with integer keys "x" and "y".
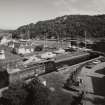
{"x": 94, "y": 84}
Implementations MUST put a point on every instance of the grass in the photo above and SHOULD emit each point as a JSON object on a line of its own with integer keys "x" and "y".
{"x": 51, "y": 43}
{"x": 56, "y": 80}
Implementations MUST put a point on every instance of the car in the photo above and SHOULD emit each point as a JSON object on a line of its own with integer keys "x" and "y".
{"x": 90, "y": 65}
{"x": 74, "y": 47}
{"x": 102, "y": 59}
{"x": 69, "y": 50}
{"x": 96, "y": 61}
{"x": 59, "y": 51}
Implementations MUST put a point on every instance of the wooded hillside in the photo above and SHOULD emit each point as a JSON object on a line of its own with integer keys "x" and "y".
{"x": 65, "y": 26}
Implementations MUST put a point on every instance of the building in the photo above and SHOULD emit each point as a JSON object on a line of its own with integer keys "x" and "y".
{"x": 21, "y": 47}
{"x": 31, "y": 70}
{"x": 2, "y": 54}
{"x": 12, "y": 43}
{"x": 6, "y": 38}
{"x": 25, "y": 49}
{"x": 24, "y": 46}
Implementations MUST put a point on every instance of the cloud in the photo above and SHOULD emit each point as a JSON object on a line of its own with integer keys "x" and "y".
{"x": 78, "y": 12}
{"x": 59, "y": 2}
{"x": 81, "y": 6}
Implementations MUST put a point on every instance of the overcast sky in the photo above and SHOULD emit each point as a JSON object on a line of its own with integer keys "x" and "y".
{"x": 14, "y": 13}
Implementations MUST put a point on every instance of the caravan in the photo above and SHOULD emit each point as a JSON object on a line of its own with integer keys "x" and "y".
{"x": 48, "y": 55}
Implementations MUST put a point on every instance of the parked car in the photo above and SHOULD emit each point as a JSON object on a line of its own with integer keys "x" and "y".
{"x": 60, "y": 51}
{"x": 90, "y": 65}
{"x": 96, "y": 61}
{"x": 69, "y": 50}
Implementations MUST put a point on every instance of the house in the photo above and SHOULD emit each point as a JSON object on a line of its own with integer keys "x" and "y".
{"x": 5, "y": 39}
{"x": 12, "y": 43}
{"x": 22, "y": 49}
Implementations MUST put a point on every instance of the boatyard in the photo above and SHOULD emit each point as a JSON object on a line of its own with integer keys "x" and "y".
{"x": 52, "y": 52}
{"x": 59, "y": 70}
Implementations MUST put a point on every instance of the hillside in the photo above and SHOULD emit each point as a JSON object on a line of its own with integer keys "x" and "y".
{"x": 4, "y": 32}
{"x": 65, "y": 26}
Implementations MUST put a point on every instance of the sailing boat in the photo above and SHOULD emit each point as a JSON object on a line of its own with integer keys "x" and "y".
{"x": 60, "y": 49}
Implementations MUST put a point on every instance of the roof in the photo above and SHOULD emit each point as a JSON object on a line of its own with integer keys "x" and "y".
{"x": 27, "y": 47}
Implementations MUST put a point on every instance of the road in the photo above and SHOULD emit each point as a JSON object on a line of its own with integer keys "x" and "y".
{"x": 55, "y": 82}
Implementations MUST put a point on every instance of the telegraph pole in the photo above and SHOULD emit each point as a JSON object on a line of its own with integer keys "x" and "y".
{"x": 28, "y": 34}
{"x": 85, "y": 39}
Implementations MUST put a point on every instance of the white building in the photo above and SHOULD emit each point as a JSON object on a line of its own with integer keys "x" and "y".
{"x": 22, "y": 47}
{"x": 6, "y": 38}
{"x": 2, "y": 54}
{"x": 25, "y": 49}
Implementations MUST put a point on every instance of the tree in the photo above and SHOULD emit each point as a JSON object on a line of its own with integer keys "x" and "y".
{"x": 15, "y": 94}
{"x": 99, "y": 46}
{"x": 72, "y": 26}
{"x": 38, "y": 93}
{"x": 4, "y": 101}
{"x": 4, "y": 77}
{"x": 82, "y": 44}
{"x": 32, "y": 93}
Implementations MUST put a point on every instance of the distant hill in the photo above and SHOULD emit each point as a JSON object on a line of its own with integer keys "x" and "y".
{"x": 65, "y": 26}
{"x": 4, "y": 32}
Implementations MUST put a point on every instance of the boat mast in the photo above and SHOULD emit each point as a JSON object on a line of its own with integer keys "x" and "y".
{"x": 58, "y": 42}
{"x": 85, "y": 38}
{"x": 45, "y": 40}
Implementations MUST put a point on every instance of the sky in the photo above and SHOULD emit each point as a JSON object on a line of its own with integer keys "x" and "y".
{"x": 15, "y": 13}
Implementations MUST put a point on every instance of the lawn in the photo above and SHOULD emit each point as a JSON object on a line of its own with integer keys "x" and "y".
{"x": 55, "y": 82}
